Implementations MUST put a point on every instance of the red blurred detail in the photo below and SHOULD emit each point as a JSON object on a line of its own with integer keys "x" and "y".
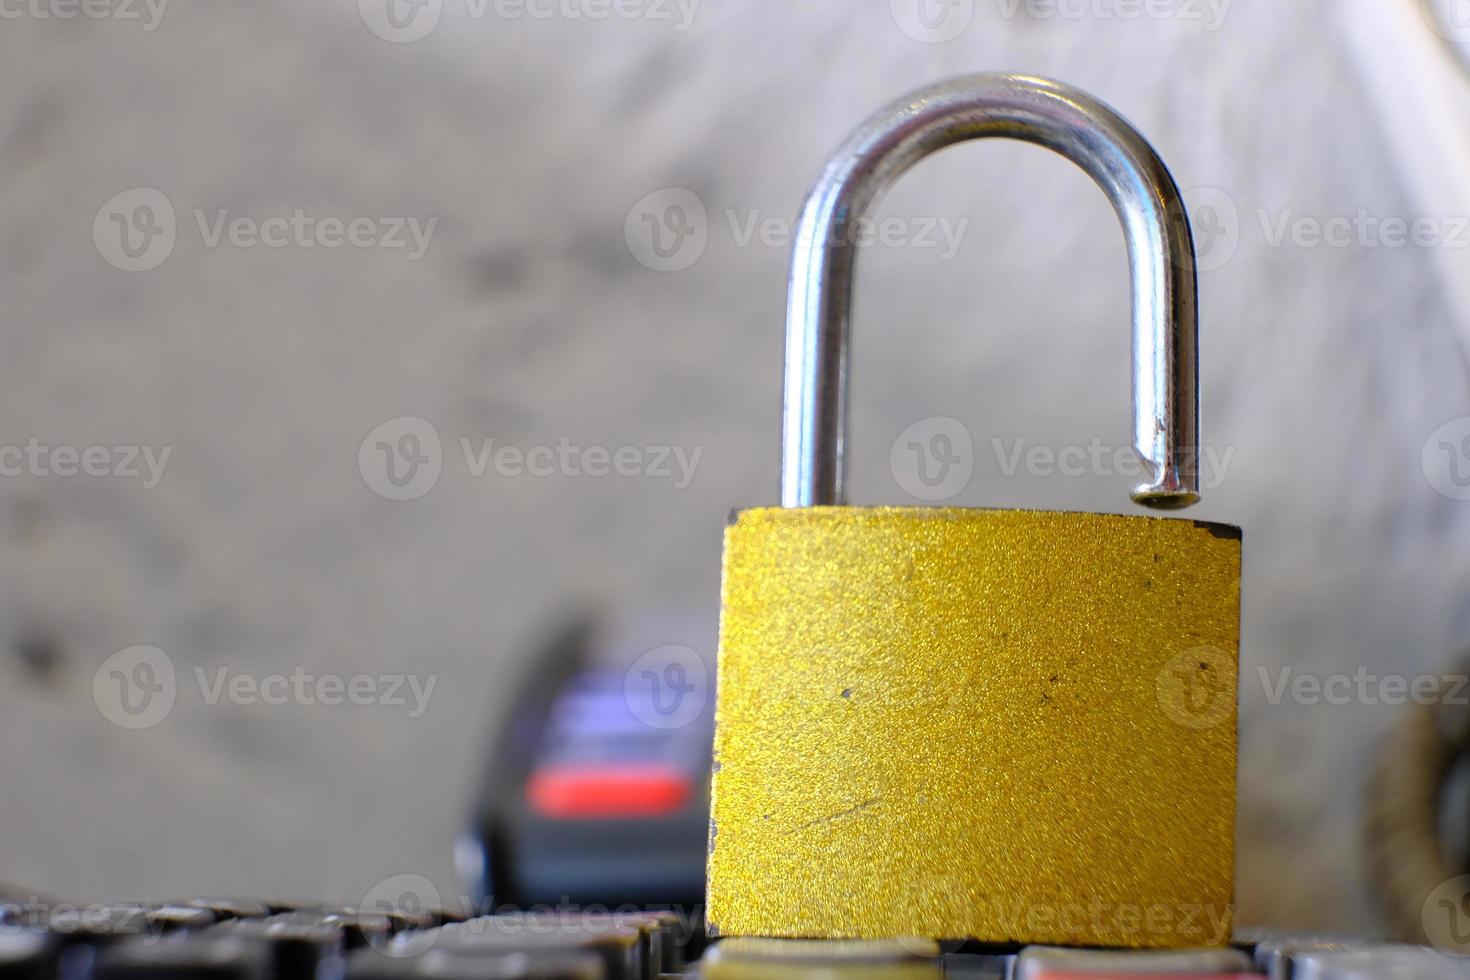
{"x": 573, "y": 794}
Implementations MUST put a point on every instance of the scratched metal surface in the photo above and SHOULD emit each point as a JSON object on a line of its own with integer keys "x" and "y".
{"x": 530, "y": 320}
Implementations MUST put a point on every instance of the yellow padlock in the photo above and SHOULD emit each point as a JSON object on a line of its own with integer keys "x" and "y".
{"x": 1004, "y": 726}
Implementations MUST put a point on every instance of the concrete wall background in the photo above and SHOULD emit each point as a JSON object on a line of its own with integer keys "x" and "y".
{"x": 530, "y": 320}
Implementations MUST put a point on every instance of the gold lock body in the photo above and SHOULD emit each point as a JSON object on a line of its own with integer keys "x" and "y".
{"x": 1006, "y": 726}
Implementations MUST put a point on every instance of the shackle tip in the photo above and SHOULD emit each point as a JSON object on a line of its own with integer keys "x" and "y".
{"x": 1164, "y": 498}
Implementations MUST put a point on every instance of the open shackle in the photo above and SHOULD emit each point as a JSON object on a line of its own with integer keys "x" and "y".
{"x": 1080, "y": 128}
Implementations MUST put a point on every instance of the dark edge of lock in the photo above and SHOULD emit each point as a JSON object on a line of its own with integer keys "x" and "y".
{"x": 1225, "y": 532}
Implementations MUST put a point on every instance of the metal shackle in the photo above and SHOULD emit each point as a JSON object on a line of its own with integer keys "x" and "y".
{"x": 1080, "y": 128}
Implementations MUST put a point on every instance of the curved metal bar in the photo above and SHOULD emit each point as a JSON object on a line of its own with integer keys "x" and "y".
{"x": 1079, "y": 127}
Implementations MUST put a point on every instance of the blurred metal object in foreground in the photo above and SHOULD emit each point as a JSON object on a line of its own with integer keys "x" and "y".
{"x": 1418, "y": 822}
{"x": 597, "y": 787}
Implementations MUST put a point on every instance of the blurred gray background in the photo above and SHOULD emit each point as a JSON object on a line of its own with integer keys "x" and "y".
{"x": 542, "y": 146}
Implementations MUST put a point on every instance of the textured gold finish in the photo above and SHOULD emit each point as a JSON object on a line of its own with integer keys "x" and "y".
{"x": 994, "y": 725}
